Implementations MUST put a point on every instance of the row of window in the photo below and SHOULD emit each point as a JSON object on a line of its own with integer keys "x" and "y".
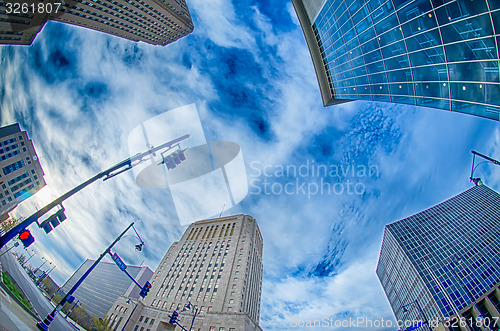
{"x": 8, "y": 141}
{"x": 13, "y": 167}
{"x": 133, "y": 20}
{"x": 18, "y": 178}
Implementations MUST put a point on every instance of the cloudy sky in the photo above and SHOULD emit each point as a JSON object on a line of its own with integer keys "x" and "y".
{"x": 80, "y": 93}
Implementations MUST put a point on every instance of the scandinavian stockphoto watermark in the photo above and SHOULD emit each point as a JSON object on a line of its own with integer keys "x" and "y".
{"x": 310, "y": 178}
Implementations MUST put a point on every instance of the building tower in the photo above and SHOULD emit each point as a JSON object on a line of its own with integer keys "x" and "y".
{"x": 445, "y": 259}
{"x": 20, "y": 172}
{"x": 217, "y": 267}
{"x": 105, "y": 284}
{"x": 157, "y": 22}
{"x": 433, "y": 53}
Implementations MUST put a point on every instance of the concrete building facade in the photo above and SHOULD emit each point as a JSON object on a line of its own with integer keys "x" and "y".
{"x": 433, "y": 53}
{"x": 157, "y": 22}
{"x": 217, "y": 267}
{"x": 21, "y": 174}
{"x": 105, "y": 284}
{"x": 444, "y": 260}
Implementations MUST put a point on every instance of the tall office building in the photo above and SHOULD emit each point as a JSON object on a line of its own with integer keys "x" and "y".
{"x": 217, "y": 267}
{"x": 433, "y": 53}
{"x": 105, "y": 284}
{"x": 21, "y": 174}
{"x": 157, "y": 22}
{"x": 445, "y": 260}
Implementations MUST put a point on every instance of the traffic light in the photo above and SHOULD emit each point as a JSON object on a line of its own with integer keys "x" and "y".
{"x": 26, "y": 238}
{"x": 145, "y": 289}
{"x": 174, "y": 159}
{"x": 173, "y": 318}
{"x": 53, "y": 221}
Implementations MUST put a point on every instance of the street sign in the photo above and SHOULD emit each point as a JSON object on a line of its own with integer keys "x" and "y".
{"x": 119, "y": 262}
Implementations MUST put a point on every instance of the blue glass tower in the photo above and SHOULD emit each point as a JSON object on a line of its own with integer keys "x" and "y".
{"x": 446, "y": 257}
{"x": 434, "y": 53}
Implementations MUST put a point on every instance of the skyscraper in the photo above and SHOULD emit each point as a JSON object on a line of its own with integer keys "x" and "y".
{"x": 445, "y": 259}
{"x": 21, "y": 174}
{"x": 217, "y": 267}
{"x": 157, "y": 22}
{"x": 105, "y": 284}
{"x": 433, "y": 53}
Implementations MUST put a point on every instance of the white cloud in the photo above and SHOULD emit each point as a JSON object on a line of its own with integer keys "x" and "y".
{"x": 80, "y": 136}
{"x": 218, "y": 21}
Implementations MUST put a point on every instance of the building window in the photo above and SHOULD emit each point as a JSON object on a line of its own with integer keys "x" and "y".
{"x": 119, "y": 321}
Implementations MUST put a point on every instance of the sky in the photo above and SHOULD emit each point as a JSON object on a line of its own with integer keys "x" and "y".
{"x": 80, "y": 93}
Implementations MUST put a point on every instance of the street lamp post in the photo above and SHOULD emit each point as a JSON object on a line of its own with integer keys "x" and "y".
{"x": 41, "y": 265}
{"x": 44, "y": 275}
{"x": 50, "y": 317}
{"x": 132, "y": 313}
{"x": 195, "y": 310}
{"x": 117, "y": 169}
{"x": 34, "y": 253}
{"x": 70, "y": 310}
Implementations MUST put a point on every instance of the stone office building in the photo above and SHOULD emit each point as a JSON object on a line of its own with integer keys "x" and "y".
{"x": 217, "y": 267}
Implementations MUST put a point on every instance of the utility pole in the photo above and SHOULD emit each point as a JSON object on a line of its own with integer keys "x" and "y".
{"x": 117, "y": 169}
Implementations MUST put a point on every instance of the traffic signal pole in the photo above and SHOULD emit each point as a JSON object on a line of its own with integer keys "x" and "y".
{"x": 45, "y": 324}
{"x": 117, "y": 169}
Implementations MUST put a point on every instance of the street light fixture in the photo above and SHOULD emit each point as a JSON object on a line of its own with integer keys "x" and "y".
{"x": 195, "y": 311}
{"x": 477, "y": 181}
{"x": 34, "y": 253}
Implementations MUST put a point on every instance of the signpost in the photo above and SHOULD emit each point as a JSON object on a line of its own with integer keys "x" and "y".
{"x": 119, "y": 262}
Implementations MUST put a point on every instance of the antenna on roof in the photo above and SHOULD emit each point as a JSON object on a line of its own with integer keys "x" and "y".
{"x": 477, "y": 180}
{"x": 224, "y": 205}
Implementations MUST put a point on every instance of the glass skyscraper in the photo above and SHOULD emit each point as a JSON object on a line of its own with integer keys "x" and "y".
{"x": 446, "y": 257}
{"x": 433, "y": 53}
{"x": 105, "y": 284}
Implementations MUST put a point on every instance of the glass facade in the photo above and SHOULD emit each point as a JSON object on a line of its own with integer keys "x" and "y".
{"x": 446, "y": 257}
{"x": 434, "y": 53}
{"x": 102, "y": 286}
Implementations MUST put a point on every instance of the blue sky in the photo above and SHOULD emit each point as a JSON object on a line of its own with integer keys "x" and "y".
{"x": 79, "y": 94}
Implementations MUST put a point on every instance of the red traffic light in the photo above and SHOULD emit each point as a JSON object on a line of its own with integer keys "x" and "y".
{"x": 26, "y": 238}
{"x": 24, "y": 235}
